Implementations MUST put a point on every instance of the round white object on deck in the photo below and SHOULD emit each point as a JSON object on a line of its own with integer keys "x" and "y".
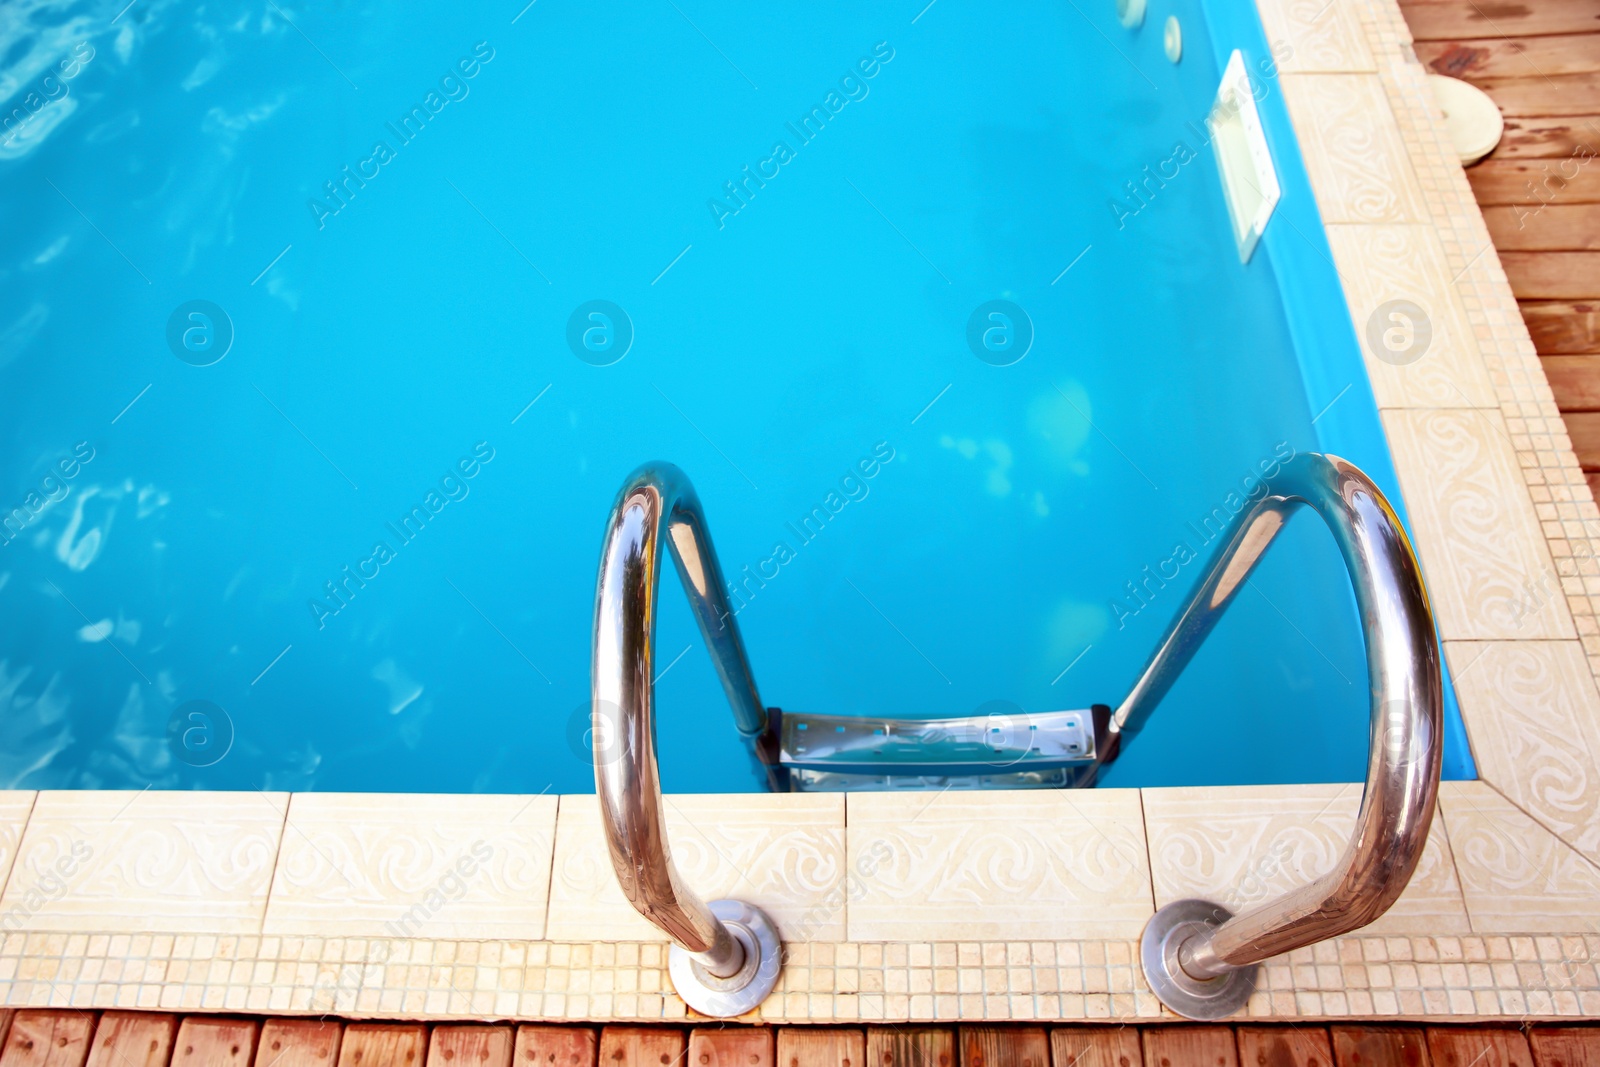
{"x": 1471, "y": 119}
{"x": 1131, "y": 13}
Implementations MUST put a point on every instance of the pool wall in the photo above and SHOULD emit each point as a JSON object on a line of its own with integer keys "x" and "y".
{"x": 957, "y": 906}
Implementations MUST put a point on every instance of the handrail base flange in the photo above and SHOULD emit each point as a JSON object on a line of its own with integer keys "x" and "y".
{"x": 1202, "y": 999}
{"x": 723, "y": 998}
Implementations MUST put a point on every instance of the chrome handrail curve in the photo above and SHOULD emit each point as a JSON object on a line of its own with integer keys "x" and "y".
{"x": 734, "y": 953}
{"x": 1192, "y": 953}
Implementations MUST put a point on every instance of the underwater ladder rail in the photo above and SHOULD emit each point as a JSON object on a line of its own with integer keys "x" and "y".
{"x": 1200, "y": 959}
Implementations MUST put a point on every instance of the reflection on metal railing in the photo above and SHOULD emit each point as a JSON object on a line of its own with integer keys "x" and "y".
{"x": 1199, "y": 959}
{"x": 725, "y": 956}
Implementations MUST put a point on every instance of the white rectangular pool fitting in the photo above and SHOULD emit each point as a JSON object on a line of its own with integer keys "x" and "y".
{"x": 1249, "y": 182}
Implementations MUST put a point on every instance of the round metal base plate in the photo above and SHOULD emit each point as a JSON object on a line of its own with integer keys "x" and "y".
{"x": 722, "y": 998}
{"x": 1205, "y": 999}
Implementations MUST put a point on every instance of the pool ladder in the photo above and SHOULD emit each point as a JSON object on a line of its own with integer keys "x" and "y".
{"x": 1199, "y": 959}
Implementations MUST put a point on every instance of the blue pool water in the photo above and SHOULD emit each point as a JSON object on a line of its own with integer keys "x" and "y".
{"x": 293, "y": 295}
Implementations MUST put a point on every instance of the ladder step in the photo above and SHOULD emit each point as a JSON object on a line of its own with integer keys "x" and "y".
{"x": 807, "y": 781}
{"x": 1019, "y": 750}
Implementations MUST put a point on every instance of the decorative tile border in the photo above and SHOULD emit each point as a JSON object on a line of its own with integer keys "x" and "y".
{"x": 911, "y": 907}
{"x": 1414, "y": 978}
{"x": 893, "y": 906}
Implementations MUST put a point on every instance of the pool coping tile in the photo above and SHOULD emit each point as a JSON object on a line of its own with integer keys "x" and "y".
{"x": 407, "y": 865}
{"x": 1477, "y": 533}
{"x": 1244, "y": 845}
{"x": 15, "y": 807}
{"x": 969, "y": 866}
{"x": 1412, "y": 361}
{"x": 783, "y": 853}
{"x": 147, "y": 861}
{"x": 1532, "y": 712}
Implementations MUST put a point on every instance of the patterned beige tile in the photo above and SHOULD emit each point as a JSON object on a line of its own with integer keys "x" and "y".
{"x": 414, "y": 865}
{"x": 147, "y": 861}
{"x": 1244, "y": 845}
{"x": 1516, "y": 876}
{"x": 1483, "y": 555}
{"x": 1315, "y": 36}
{"x": 783, "y": 853}
{"x": 1426, "y": 360}
{"x": 1533, "y": 714}
{"x": 997, "y": 865}
{"x": 15, "y": 804}
{"x": 1352, "y": 148}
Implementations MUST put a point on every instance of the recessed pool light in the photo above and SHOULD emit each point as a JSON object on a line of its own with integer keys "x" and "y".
{"x": 1130, "y": 13}
{"x": 1172, "y": 39}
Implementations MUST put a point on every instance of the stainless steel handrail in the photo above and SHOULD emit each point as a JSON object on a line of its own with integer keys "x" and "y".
{"x": 1197, "y": 957}
{"x": 724, "y": 953}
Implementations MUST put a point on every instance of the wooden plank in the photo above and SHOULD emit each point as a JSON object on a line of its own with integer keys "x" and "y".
{"x": 1575, "y": 380}
{"x": 1563, "y": 327}
{"x": 210, "y": 1041}
{"x": 1512, "y": 57}
{"x": 299, "y": 1043}
{"x": 1010, "y": 1046}
{"x": 556, "y": 1046}
{"x": 641, "y": 1046}
{"x": 910, "y": 1046}
{"x": 1593, "y": 478}
{"x": 1096, "y": 1046}
{"x": 727, "y": 1046}
{"x": 1536, "y": 182}
{"x": 1555, "y": 94}
{"x": 1549, "y": 137}
{"x": 5, "y": 1025}
{"x": 1379, "y": 1046}
{"x": 1552, "y": 275}
{"x": 1284, "y": 1046}
{"x": 133, "y": 1039}
{"x": 1472, "y": 1046}
{"x": 1190, "y": 1046}
{"x": 1583, "y": 427}
{"x": 1544, "y": 227}
{"x": 48, "y": 1038}
{"x": 382, "y": 1045}
{"x": 811, "y": 1046}
{"x": 1435, "y": 20}
{"x": 1565, "y": 1046}
{"x": 471, "y": 1046}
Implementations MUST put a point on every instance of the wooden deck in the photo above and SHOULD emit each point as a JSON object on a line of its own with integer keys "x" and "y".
{"x": 1540, "y": 190}
{"x": 65, "y": 1038}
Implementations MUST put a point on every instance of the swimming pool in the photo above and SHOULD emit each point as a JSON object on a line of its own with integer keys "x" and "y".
{"x": 327, "y": 342}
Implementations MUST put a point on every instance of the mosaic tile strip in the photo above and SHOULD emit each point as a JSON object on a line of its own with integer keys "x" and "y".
{"x": 1444, "y": 977}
